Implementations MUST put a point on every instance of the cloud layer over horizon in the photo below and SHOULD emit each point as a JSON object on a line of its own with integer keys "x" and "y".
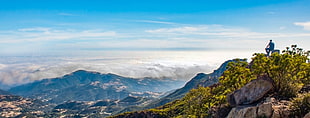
{"x": 181, "y": 65}
{"x": 20, "y": 70}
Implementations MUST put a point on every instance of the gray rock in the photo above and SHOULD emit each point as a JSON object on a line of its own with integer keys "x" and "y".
{"x": 265, "y": 110}
{"x": 251, "y": 92}
{"x": 243, "y": 112}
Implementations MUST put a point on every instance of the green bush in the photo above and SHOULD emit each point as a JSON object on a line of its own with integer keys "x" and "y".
{"x": 198, "y": 102}
{"x": 289, "y": 71}
{"x": 236, "y": 76}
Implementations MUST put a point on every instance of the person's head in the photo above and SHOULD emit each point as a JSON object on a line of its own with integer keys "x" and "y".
{"x": 270, "y": 40}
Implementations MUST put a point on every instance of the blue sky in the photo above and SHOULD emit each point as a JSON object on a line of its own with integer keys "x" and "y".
{"x": 61, "y": 27}
{"x": 139, "y": 38}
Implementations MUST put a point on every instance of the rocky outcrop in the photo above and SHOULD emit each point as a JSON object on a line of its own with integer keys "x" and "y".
{"x": 248, "y": 101}
{"x": 251, "y": 92}
{"x": 243, "y": 112}
{"x": 262, "y": 110}
{"x": 270, "y": 108}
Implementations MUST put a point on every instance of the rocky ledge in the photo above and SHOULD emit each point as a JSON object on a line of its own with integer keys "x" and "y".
{"x": 252, "y": 101}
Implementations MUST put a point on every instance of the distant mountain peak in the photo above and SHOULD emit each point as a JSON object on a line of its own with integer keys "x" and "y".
{"x": 84, "y": 72}
{"x": 88, "y": 85}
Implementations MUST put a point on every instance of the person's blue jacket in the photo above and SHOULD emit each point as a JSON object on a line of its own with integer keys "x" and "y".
{"x": 271, "y": 45}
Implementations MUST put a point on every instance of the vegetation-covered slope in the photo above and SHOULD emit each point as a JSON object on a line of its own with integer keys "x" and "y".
{"x": 200, "y": 79}
{"x": 289, "y": 71}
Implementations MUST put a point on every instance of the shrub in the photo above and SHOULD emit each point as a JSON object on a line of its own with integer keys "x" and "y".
{"x": 198, "y": 102}
{"x": 236, "y": 76}
{"x": 290, "y": 71}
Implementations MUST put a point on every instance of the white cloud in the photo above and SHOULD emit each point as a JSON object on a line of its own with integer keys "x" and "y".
{"x": 156, "y": 22}
{"x": 176, "y": 30}
{"x": 41, "y": 34}
{"x": 305, "y": 25}
{"x": 219, "y": 31}
{"x": 222, "y": 37}
{"x": 35, "y": 29}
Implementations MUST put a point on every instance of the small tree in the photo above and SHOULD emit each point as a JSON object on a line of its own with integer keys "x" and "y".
{"x": 198, "y": 102}
{"x": 236, "y": 76}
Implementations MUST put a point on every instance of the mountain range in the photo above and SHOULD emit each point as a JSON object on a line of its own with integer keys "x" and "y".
{"x": 92, "y": 94}
{"x": 84, "y": 85}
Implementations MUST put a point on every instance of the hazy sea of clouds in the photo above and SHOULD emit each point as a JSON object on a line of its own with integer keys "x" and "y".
{"x": 182, "y": 65}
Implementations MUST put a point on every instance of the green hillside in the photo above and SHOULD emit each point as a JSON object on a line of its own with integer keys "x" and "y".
{"x": 290, "y": 72}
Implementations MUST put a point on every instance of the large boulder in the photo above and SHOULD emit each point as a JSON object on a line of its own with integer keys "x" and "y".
{"x": 243, "y": 112}
{"x": 251, "y": 92}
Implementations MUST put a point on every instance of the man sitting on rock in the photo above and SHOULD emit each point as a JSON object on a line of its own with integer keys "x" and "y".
{"x": 269, "y": 48}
